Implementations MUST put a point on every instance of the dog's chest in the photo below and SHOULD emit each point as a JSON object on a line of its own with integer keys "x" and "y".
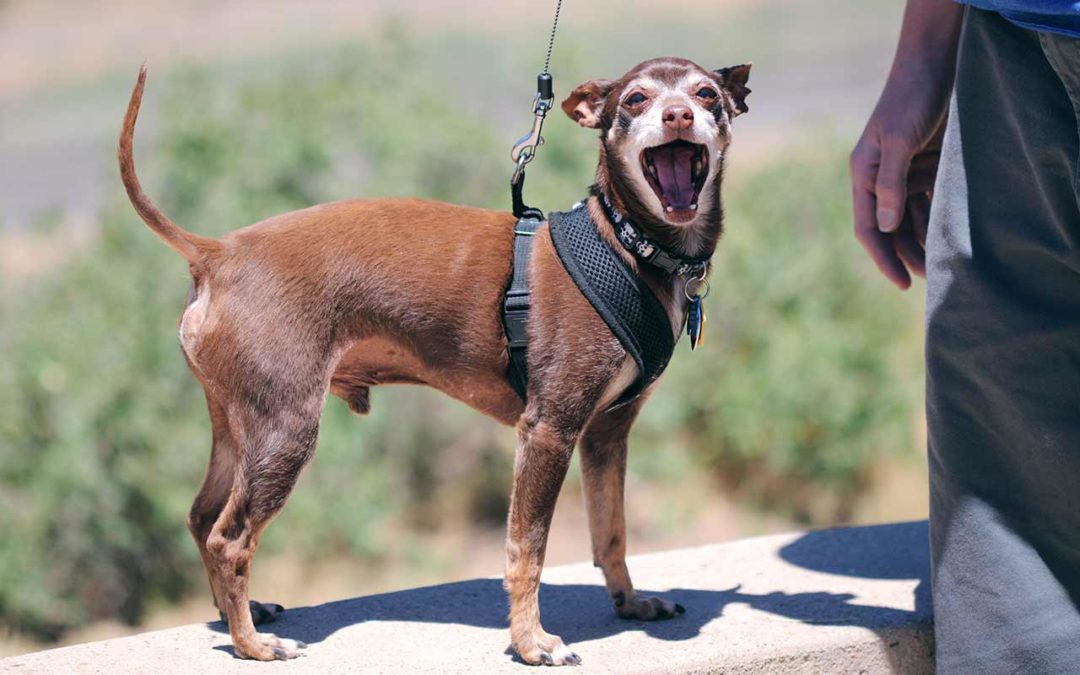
{"x": 640, "y": 320}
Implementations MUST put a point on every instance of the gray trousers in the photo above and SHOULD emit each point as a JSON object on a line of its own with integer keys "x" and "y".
{"x": 1003, "y": 357}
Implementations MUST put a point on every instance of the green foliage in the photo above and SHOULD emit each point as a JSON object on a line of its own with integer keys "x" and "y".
{"x": 104, "y": 434}
{"x": 95, "y": 427}
{"x": 812, "y": 368}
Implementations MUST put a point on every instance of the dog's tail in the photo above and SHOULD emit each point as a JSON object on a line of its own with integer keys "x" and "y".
{"x": 191, "y": 246}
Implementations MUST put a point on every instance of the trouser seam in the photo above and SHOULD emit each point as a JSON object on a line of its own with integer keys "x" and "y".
{"x": 1051, "y": 47}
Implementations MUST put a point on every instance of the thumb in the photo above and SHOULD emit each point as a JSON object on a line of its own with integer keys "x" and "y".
{"x": 891, "y": 187}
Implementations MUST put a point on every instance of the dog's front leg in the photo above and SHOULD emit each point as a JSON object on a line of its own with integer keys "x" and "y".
{"x": 543, "y": 455}
{"x": 603, "y": 468}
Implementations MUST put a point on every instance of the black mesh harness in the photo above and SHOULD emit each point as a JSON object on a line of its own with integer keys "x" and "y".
{"x": 625, "y": 302}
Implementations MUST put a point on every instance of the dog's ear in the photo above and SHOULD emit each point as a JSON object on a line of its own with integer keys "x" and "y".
{"x": 584, "y": 104}
{"x": 733, "y": 80}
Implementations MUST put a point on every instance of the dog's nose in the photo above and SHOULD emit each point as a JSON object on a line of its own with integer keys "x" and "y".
{"x": 678, "y": 117}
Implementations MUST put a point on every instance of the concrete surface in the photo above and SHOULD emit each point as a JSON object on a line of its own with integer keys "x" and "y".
{"x": 852, "y": 600}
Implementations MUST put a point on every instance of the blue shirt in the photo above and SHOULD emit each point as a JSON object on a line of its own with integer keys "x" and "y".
{"x": 1056, "y": 16}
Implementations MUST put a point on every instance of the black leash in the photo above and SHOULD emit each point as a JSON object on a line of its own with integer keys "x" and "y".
{"x": 517, "y": 302}
{"x": 625, "y": 303}
{"x": 551, "y": 40}
{"x": 524, "y": 150}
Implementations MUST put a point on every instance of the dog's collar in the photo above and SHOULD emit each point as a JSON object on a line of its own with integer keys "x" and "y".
{"x": 646, "y": 250}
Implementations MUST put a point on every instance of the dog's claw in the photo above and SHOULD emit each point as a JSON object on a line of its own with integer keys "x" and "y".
{"x": 559, "y": 655}
{"x": 283, "y": 649}
{"x": 679, "y": 609}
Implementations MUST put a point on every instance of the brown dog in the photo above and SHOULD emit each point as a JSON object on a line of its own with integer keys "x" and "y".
{"x": 344, "y": 296}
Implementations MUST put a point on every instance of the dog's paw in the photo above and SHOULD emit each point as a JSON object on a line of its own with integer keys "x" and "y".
{"x": 264, "y": 612}
{"x": 548, "y": 650}
{"x": 270, "y": 648}
{"x": 260, "y": 613}
{"x": 646, "y": 609}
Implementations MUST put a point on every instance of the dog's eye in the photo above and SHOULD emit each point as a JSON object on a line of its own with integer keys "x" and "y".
{"x": 635, "y": 98}
{"x": 706, "y": 92}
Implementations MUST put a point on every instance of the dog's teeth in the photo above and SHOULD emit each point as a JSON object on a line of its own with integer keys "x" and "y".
{"x": 693, "y": 207}
{"x": 670, "y": 209}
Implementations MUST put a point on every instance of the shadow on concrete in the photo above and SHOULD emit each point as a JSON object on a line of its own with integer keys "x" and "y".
{"x": 893, "y": 551}
{"x": 580, "y": 612}
{"x": 897, "y": 551}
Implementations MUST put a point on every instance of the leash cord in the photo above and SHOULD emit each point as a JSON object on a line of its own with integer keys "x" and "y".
{"x": 551, "y": 40}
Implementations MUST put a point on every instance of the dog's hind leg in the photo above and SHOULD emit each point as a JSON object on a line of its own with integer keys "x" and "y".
{"x": 210, "y": 501}
{"x": 273, "y": 447}
{"x": 215, "y": 489}
{"x": 603, "y": 468}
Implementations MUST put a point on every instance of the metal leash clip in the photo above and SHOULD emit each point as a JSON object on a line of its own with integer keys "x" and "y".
{"x": 524, "y": 150}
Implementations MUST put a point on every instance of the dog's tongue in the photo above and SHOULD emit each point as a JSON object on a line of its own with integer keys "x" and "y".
{"x": 673, "y": 170}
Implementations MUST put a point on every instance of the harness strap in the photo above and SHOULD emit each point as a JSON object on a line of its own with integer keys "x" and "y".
{"x": 625, "y": 302}
{"x": 516, "y": 305}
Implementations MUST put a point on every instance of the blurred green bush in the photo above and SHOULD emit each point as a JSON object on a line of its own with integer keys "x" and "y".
{"x": 813, "y": 372}
{"x": 808, "y": 376}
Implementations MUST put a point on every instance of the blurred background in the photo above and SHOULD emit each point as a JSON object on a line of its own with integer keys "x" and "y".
{"x": 803, "y": 408}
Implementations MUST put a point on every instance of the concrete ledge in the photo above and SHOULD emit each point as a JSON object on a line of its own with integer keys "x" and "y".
{"x": 853, "y": 600}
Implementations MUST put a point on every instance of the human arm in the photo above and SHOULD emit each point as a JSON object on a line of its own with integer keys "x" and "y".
{"x": 895, "y": 161}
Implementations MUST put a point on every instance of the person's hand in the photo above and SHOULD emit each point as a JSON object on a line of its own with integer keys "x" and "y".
{"x": 894, "y": 164}
{"x": 893, "y": 169}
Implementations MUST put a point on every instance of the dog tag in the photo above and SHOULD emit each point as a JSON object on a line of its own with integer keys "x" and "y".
{"x": 695, "y": 322}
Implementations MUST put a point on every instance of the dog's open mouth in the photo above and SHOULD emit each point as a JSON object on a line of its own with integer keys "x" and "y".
{"x": 676, "y": 172}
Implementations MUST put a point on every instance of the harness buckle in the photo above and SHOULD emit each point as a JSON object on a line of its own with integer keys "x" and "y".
{"x": 516, "y": 324}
